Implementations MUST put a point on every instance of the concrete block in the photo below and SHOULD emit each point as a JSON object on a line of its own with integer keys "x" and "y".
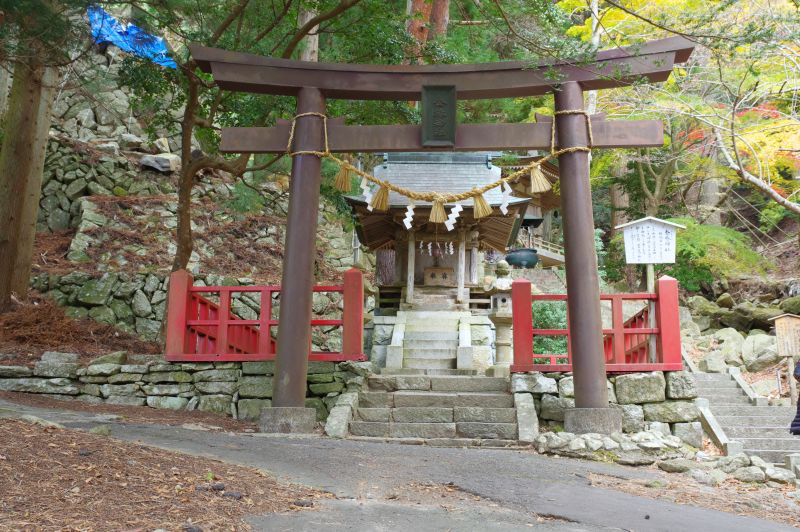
{"x": 594, "y": 420}
{"x": 464, "y": 358}
{"x": 287, "y": 420}
{"x": 527, "y": 420}
{"x": 394, "y": 356}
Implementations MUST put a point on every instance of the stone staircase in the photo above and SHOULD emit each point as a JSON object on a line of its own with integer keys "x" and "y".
{"x": 431, "y": 340}
{"x": 762, "y": 430}
{"x": 433, "y": 298}
{"x": 438, "y": 410}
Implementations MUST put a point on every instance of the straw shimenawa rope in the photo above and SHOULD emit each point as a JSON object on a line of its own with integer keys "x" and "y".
{"x": 380, "y": 201}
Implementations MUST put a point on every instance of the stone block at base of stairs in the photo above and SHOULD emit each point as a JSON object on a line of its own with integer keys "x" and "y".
{"x": 422, "y": 415}
{"x": 484, "y": 415}
{"x": 422, "y": 430}
{"x": 468, "y": 384}
{"x": 368, "y": 428}
{"x": 374, "y": 414}
{"x": 500, "y": 431}
{"x": 400, "y": 382}
{"x": 375, "y": 400}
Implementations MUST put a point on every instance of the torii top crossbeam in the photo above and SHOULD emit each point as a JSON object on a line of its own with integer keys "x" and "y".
{"x": 569, "y": 135}
{"x": 611, "y": 68}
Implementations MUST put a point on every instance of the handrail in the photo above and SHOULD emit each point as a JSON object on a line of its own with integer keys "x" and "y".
{"x": 625, "y": 345}
{"x": 199, "y": 329}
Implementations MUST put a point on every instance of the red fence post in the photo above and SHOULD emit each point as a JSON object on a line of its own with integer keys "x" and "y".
{"x": 668, "y": 322}
{"x": 353, "y": 315}
{"x": 523, "y": 325}
{"x": 177, "y": 305}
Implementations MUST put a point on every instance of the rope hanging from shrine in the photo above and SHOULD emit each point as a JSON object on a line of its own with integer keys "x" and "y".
{"x": 379, "y": 201}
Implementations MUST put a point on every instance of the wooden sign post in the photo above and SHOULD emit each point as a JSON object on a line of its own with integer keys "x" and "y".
{"x": 787, "y": 331}
{"x": 650, "y": 241}
{"x": 572, "y": 131}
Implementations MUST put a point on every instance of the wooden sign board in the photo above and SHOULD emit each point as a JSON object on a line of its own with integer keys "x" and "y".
{"x": 650, "y": 241}
{"x": 787, "y": 331}
{"x": 438, "y": 116}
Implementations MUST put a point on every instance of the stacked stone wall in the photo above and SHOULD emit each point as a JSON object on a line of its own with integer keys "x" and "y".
{"x": 654, "y": 401}
{"x": 238, "y": 389}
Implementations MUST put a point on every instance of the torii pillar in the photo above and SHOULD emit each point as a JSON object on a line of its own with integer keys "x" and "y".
{"x": 591, "y": 412}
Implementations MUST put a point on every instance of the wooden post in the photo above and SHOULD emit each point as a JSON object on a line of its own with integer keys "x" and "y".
{"x": 410, "y": 268}
{"x": 294, "y": 329}
{"x": 473, "y": 264}
{"x": 177, "y": 307}
{"x": 353, "y": 314}
{"x": 583, "y": 284}
{"x": 669, "y": 323}
{"x": 522, "y": 311}
{"x": 651, "y": 313}
{"x": 462, "y": 259}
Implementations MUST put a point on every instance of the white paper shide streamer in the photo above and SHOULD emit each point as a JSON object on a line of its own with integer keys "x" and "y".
{"x": 367, "y": 191}
{"x": 450, "y": 223}
{"x": 409, "y": 219}
{"x": 506, "y": 189}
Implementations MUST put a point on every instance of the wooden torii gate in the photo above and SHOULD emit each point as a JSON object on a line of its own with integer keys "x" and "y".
{"x": 312, "y": 83}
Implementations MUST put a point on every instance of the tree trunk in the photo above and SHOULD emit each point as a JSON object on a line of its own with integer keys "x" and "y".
{"x": 183, "y": 231}
{"x": 310, "y": 51}
{"x": 27, "y": 124}
{"x": 440, "y": 18}
{"x": 419, "y": 23}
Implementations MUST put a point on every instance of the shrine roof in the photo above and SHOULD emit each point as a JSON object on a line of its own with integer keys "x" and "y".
{"x": 450, "y": 173}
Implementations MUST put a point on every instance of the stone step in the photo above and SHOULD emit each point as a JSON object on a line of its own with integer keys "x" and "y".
{"x": 498, "y": 431}
{"x": 754, "y": 410}
{"x": 429, "y": 371}
{"x": 433, "y": 352}
{"x": 445, "y": 383}
{"x": 735, "y": 393}
{"x": 431, "y": 326}
{"x": 726, "y": 399}
{"x": 403, "y": 430}
{"x": 482, "y": 414}
{"x": 426, "y": 336}
{"x": 429, "y": 363}
{"x": 430, "y": 344}
{"x": 379, "y": 415}
{"x": 756, "y": 431}
{"x": 427, "y": 305}
{"x": 754, "y": 421}
{"x": 452, "y": 399}
{"x": 772, "y": 456}
{"x": 699, "y": 377}
{"x": 776, "y": 444}
{"x": 368, "y": 399}
{"x": 722, "y": 386}
{"x": 424, "y": 414}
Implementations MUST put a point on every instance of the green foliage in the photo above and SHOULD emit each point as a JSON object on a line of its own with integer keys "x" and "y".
{"x": 703, "y": 253}
{"x": 771, "y": 215}
{"x": 245, "y": 200}
{"x": 550, "y": 315}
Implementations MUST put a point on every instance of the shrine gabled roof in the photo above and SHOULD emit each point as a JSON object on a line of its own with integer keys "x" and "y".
{"x": 449, "y": 173}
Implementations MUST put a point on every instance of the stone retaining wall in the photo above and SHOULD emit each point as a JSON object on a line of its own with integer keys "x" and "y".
{"x": 660, "y": 401}
{"x": 238, "y": 389}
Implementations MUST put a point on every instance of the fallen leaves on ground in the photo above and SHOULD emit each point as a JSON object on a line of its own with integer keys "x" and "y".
{"x": 732, "y": 496}
{"x": 60, "y": 479}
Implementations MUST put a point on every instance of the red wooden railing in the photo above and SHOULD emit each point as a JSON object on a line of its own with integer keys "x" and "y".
{"x": 626, "y": 344}
{"x": 200, "y": 330}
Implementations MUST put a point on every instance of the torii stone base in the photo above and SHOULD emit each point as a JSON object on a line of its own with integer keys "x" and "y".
{"x": 595, "y": 420}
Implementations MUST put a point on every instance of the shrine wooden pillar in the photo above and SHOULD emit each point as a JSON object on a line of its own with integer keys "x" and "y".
{"x": 462, "y": 259}
{"x": 294, "y": 333}
{"x": 583, "y": 283}
{"x": 410, "y": 268}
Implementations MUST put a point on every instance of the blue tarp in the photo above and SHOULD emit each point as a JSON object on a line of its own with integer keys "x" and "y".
{"x": 128, "y": 37}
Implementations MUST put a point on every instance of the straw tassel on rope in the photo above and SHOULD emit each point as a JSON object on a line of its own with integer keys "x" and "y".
{"x": 380, "y": 202}
{"x": 343, "y": 181}
{"x": 539, "y": 182}
{"x": 438, "y": 215}
{"x": 481, "y": 208}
